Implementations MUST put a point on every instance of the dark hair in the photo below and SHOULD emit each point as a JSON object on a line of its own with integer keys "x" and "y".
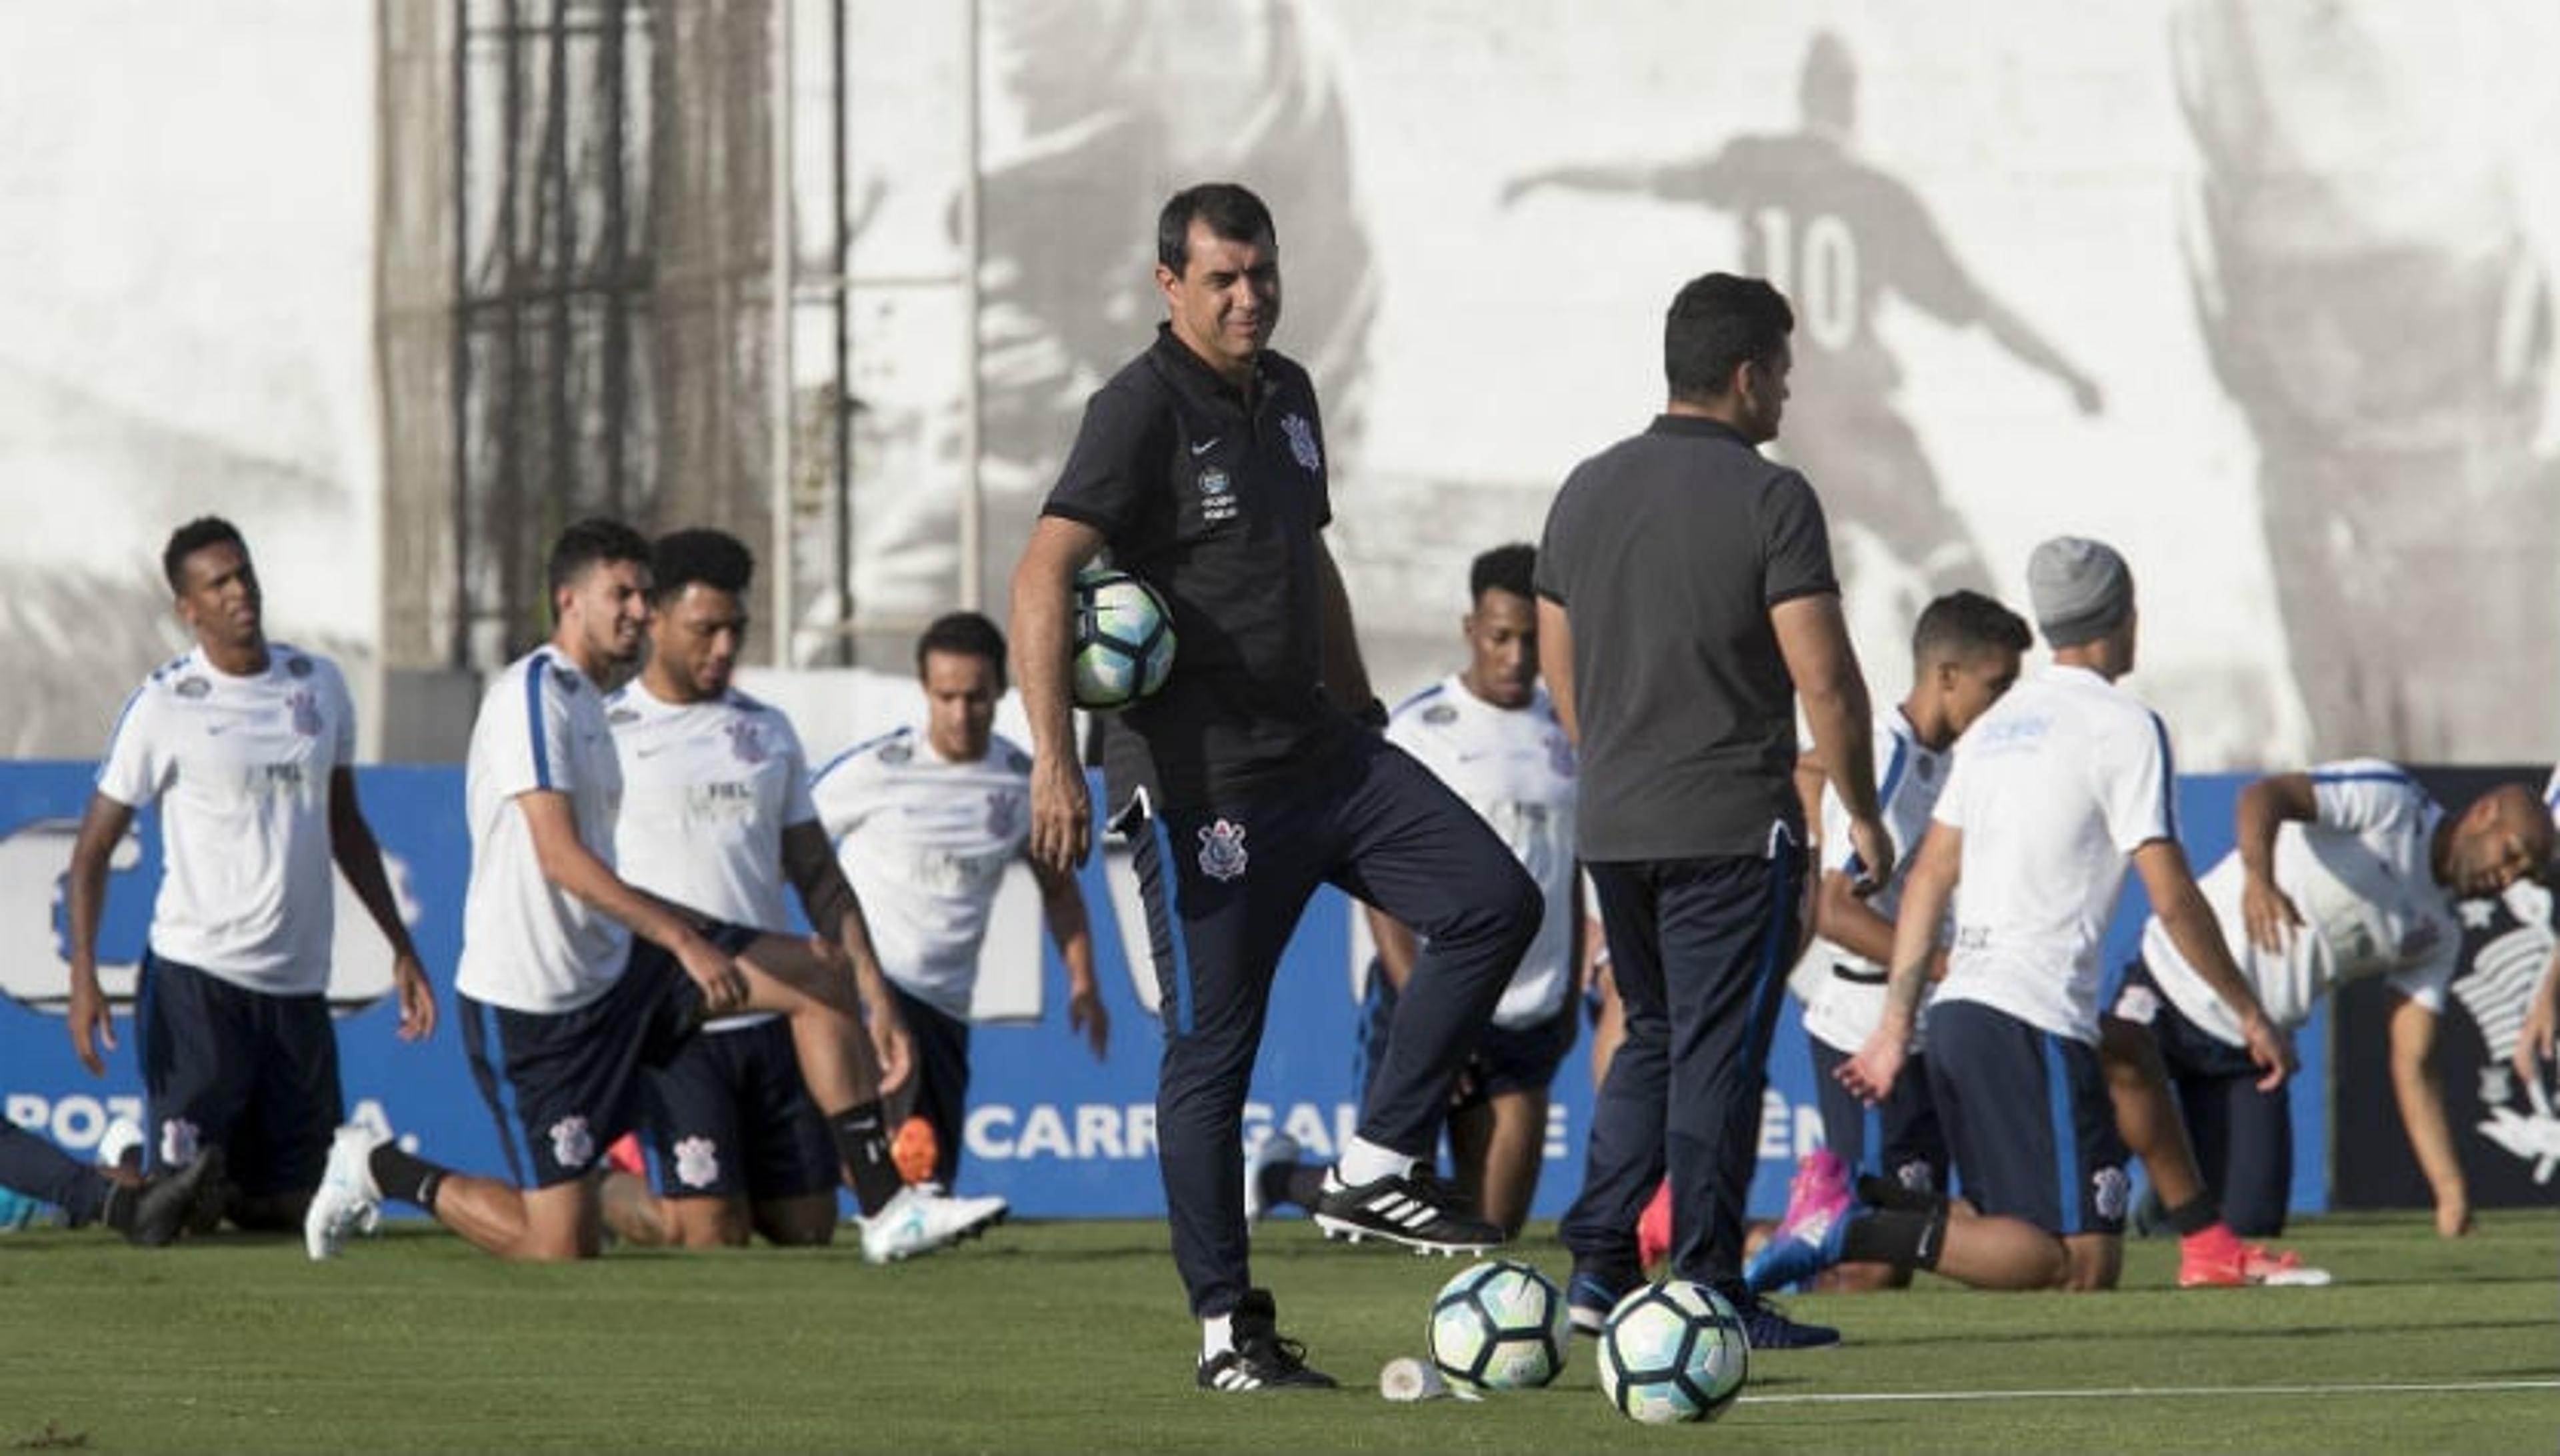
{"x": 1232, "y": 210}
{"x": 192, "y": 538}
{"x": 963, "y": 634}
{"x": 592, "y": 542}
{"x": 1718, "y": 323}
{"x": 1503, "y": 569}
{"x": 713, "y": 559}
{"x": 1967, "y": 624}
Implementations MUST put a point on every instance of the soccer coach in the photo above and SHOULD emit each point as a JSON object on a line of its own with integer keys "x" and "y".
{"x": 1685, "y": 598}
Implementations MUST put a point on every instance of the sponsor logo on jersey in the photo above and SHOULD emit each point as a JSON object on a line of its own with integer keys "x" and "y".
{"x": 1221, "y": 855}
{"x": 1218, "y": 496}
{"x": 572, "y": 1146}
{"x": 1302, "y": 442}
{"x": 696, "y": 1161}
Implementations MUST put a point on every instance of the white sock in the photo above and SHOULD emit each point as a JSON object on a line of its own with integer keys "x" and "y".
{"x": 1364, "y": 1161}
{"x": 1217, "y": 1336}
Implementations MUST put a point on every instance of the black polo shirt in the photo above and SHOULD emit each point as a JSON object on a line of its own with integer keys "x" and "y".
{"x": 1667, "y": 552}
{"x": 1214, "y": 499}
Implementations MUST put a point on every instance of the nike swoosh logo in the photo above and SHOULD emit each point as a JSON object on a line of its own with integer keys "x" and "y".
{"x": 1207, "y": 445}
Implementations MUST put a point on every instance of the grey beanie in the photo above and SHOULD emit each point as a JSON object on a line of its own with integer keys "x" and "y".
{"x": 2081, "y": 589}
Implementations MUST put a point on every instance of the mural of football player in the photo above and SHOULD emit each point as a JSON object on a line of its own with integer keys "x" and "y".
{"x": 1838, "y": 236}
{"x": 2371, "y": 303}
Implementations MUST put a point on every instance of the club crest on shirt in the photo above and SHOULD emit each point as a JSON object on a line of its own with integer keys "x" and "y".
{"x": 305, "y": 709}
{"x": 696, "y": 1161}
{"x": 1560, "y": 755}
{"x": 1004, "y": 813}
{"x": 572, "y": 1146}
{"x": 747, "y": 741}
{"x": 1221, "y": 855}
{"x": 1302, "y": 442}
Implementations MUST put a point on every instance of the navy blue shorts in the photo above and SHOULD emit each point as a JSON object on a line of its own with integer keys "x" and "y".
{"x": 2028, "y": 1119}
{"x": 252, "y": 1072}
{"x": 728, "y": 1118}
{"x": 1505, "y": 1060}
{"x": 1898, "y": 1138}
{"x": 563, "y": 1085}
{"x": 2243, "y": 1138}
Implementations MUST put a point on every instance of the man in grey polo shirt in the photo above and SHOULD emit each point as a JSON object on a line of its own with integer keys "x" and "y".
{"x": 1685, "y": 599}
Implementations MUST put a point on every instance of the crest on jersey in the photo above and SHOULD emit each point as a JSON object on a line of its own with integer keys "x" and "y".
{"x": 1302, "y": 441}
{"x": 696, "y": 1161}
{"x": 1218, "y": 499}
{"x": 747, "y": 741}
{"x": 192, "y": 688}
{"x": 1004, "y": 813}
{"x": 2113, "y": 1191}
{"x": 1560, "y": 755}
{"x": 304, "y": 704}
{"x": 180, "y": 1141}
{"x": 1221, "y": 855}
{"x": 572, "y": 1146}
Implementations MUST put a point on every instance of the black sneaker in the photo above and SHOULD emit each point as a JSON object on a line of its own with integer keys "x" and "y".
{"x": 1594, "y": 1290}
{"x": 1767, "y": 1327}
{"x": 165, "y": 1204}
{"x": 1417, "y": 1209}
{"x": 1260, "y": 1357}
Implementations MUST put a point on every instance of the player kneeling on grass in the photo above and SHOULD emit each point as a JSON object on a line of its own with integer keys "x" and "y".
{"x": 2346, "y": 872}
{"x": 572, "y": 980}
{"x": 2054, "y": 791}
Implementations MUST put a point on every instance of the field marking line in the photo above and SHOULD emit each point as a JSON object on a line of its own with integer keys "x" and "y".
{"x": 2153, "y": 1392}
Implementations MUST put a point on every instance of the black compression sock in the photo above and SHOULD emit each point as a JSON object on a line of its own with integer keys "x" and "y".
{"x": 861, "y": 1141}
{"x": 1887, "y": 1193}
{"x": 2195, "y": 1215}
{"x": 1906, "y": 1238}
{"x": 403, "y": 1176}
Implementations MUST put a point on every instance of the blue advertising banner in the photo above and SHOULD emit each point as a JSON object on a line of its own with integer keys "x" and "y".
{"x": 1051, "y": 1128}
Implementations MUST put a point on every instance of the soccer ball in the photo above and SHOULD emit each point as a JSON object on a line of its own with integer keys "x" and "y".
{"x": 1500, "y": 1326}
{"x": 1672, "y": 1352}
{"x": 1124, "y": 640}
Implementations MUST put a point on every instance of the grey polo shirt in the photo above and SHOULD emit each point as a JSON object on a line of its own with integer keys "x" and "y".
{"x": 1668, "y": 551}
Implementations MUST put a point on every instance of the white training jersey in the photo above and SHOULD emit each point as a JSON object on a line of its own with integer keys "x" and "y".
{"x": 926, "y": 841}
{"x": 2362, "y": 876}
{"x": 1843, "y": 992}
{"x": 707, "y": 790}
{"x": 528, "y": 945}
{"x": 1514, "y": 768}
{"x": 240, "y": 769}
{"x": 2053, "y": 789}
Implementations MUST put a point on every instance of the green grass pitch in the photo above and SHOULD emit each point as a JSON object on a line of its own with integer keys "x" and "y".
{"x": 1072, "y": 1338}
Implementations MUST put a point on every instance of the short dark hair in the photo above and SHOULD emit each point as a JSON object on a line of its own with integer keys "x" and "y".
{"x": 1716, "y": 324}
{"x": 1231, "y": 209}
{"x": 190, "y": 539}
{"x": 963, "y": 634}
{"x": 592, "y": 542}
{"x": 1508, "y": 569}
{"x": 713, "y": 559}
{"x": 1967, "y": 624}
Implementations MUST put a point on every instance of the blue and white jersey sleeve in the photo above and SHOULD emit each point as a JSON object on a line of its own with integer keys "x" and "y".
{"x": 138, "y": 763}
{"x": 2367, "y": 796}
